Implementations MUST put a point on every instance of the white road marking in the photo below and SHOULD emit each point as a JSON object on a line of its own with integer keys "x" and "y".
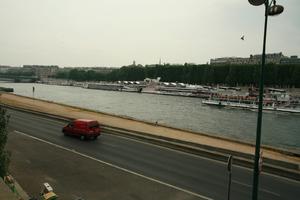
{"x": 250, "y": 186}
{"x": 114, "y": 166}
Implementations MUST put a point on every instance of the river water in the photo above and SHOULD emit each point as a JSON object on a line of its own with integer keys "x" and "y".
{"x": 280, "y": 130}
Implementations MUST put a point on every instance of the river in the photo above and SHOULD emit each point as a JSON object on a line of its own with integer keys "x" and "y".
{"x": 281, "y": 130}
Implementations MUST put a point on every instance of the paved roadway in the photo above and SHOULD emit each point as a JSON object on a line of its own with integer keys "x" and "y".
{"x": 198, "y": 175}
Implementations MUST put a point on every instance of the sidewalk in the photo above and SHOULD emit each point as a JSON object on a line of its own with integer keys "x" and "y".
{"x": 7, "y": 194}
{"x": 139, "y": 126}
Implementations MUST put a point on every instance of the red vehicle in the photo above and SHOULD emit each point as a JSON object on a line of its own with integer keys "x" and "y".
{"x": 83, "y": 128}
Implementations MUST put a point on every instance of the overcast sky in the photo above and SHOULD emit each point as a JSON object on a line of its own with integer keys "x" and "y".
{"x": 116, "y": 32}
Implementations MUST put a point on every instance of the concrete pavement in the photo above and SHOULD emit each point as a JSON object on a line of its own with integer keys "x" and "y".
{"x": 6, "y": 193}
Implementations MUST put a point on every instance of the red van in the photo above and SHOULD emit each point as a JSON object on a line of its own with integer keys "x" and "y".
{"x": 83, "y": 128}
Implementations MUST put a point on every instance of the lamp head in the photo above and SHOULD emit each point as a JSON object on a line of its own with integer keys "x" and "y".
{"x": 256, "y": 2}
{"x": 275, "y": 10}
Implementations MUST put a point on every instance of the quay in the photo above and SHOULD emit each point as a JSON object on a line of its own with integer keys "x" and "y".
{"x": 187, "y": 139}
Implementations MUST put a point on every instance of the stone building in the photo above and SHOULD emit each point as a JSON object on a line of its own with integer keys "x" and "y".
{"x": 42, "y": 71}
{"x": 271, "y": 58}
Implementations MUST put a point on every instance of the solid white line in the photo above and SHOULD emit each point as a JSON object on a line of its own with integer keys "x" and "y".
{"x": 115, "y": 166}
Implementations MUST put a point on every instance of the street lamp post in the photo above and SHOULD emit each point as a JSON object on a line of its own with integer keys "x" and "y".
{"x": 269, "y": 10}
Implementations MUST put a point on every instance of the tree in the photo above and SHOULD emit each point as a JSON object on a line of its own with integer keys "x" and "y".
{"x": 62, "y": 75}
{"x": 4, "y": 155}
{"x": 295, "y": 80}
{"x": 220, "y": 73}
{"x": 275, "y": 75}
{"x": 232, "y": 76}
{"x": 77, "y": 75}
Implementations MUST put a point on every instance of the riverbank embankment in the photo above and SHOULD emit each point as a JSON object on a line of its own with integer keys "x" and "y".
{"x": 141, "y": 127}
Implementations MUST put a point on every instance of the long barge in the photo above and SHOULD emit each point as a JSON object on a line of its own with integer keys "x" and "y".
{"x": 252, "y": 106}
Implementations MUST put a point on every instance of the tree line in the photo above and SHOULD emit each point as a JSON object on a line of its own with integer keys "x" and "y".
{"x": 4, "y": 154}
{"x": 231, "y": 75}
{"x": 17, "y": 73}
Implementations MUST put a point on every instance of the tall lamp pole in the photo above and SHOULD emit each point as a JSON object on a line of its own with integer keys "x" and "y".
{"x": 270, "y": 9}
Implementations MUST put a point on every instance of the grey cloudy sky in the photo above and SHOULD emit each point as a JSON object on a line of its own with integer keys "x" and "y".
{"x": 116, "y": 32}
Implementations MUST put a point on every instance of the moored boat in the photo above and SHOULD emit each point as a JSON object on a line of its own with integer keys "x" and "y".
{"x": 252, "y": 106}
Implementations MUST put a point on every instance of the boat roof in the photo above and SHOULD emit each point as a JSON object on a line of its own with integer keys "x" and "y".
{"x": 276, "y": 90}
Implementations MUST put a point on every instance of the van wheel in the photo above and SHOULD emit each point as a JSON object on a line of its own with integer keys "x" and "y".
{"x": 65, "y": 133}
{"x": 82, "y": 137}
{"x": 95, "y": 137}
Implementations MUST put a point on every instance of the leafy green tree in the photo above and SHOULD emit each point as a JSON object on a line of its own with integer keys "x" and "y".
{"x": 62, "y": 75}
{"x": 4, "y": 155}
{"x": 220, "y": 74}
{"x": 232, "y": 76}
{"x": 151, "y": 72}
{"x": 77, "y": 75}
{"x": 284, "y": 75}
{"x": 295, "y": 79}
{"x": 210, "y": 75}
{"x": 270, "y": 75}
{"x": 256, "y": 75}
{"x": 275, "y": 75}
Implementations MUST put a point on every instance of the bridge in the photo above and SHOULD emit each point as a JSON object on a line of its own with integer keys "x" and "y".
{"x": 17, "y": 79}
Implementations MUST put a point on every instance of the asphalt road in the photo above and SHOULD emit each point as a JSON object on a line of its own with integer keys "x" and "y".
{"x": 195, "y": 174}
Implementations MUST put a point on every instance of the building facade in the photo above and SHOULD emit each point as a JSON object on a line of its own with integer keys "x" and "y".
{"x": 4, "y": 68}
{"x": 291, "y": 60}
{"x": 272, "y": 58}
{"x": 42, "y": 71}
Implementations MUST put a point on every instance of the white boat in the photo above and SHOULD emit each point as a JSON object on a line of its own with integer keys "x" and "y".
{"x": 104, "y": 86}
{"x": 249, "y": 106}
{"x": 131, "y": 89}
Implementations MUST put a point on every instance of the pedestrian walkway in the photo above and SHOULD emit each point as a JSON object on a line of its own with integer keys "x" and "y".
{"x": 6, "y": 193}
